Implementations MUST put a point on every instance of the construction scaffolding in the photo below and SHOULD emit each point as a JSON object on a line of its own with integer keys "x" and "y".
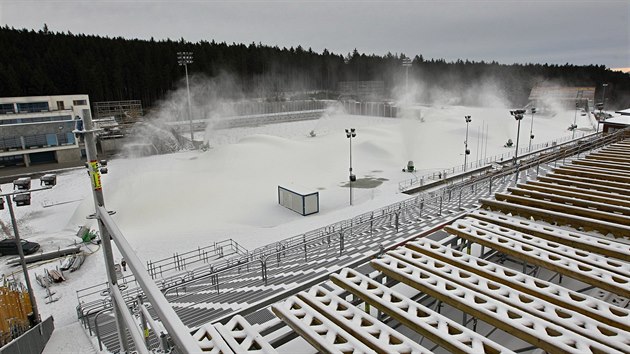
{"x": 15, "y": 306}
{"x": 125, "y": 112}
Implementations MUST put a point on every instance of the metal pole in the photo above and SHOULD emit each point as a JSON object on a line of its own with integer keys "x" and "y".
{"x": 350, "y": 169}
{"x": 27, "y": 279}
{"x": 466, "y": 145}
{"x": 518, "y": 134}
{"x": 531, "y": 131}
{"x": 99, "y": 201}
{"x": 192, "y": 139}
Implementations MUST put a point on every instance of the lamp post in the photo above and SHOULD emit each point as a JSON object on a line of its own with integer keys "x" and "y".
{"x": 18, "y": 242}
{"x": 573, "y": 126}
{"x": 604, "y": 95}
{"x": 531, "y": 130}
{"x": 185, "y": 58}
{"x": 600, "y": 107}
{"x": 518, "y": 115}
{"x": 466, "y": 151}
{"x": 350, "y": 133}
{"x": 406, "y": 63}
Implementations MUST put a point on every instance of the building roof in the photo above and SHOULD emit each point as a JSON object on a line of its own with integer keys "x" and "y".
{"x": 562, "y": 92}
{"x": 619, "y": 120}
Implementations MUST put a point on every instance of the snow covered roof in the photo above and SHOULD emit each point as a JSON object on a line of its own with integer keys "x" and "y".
{"x": 625, "y": 112}
{"x": 622, "y": 119}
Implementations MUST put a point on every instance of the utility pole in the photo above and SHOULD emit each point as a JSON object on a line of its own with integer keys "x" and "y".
{"x": 185, "y": 58}
{"x": 466, "y": 151}
{"x": 99, "y": 201}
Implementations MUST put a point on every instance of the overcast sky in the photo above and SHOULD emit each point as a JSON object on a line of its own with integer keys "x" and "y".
{"x": 551, "y": 31}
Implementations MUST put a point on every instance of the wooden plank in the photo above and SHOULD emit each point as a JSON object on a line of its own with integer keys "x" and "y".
{"x": 438, "y": 328}
{"x": 587, "y": 224}
{"x": 582, "y": 325}
{"x": 608, "y": 186}
{"x": 565, "y": 208}
{"x": 607, "y": 165}
{"x": 529, "y": 328}
{"x": 602, "y": 279}
{"x": 592, "y": 259}
{"x": 590, "y": 187}
{"x": 361, "y": 325}
{"x": 243, "y": 338}
{"x": 595, "y": 175}
{"x": 575, "y": 201}
{"x": 590, "y": 243}
{"x": 580, "y": 193}
{"x": 557, "y": 294}
{"x": 210, "y": 341}
{"x": 607, "y": 157}
{"x": 594, "y": 169}
{"x": 316, "y": 329}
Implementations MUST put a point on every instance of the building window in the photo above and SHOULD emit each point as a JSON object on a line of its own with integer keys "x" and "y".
{"x": 10, "y": 143}
{"x": 6, "y": 108}
{"x": 35, "y": 120}
{"x": 79, "y": 102}
{"x": 60, "y": 105}
{"x": 32, "y": 107}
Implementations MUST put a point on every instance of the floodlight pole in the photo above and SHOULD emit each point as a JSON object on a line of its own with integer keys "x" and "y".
{"x": 531, "y": 130}
{"x": 574, "y": 126}
{"x": 185, "y": 58}
{"x": 350, "y": 133}
{"x": 518, "y": 115}
{"x": 27, "y": 278}
{"x": 406, "y": 63}
{"x": 466, "y": 151}
{"x": 604, "y": 95}
{"x": 99, "y": 201}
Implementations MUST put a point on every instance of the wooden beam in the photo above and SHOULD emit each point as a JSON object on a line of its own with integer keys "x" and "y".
{"x": 606, "y": 165}
{"x": 590, "y": 243}
{"x": 565, "y": 208}
{"x": 521, "y": 324}
{"x": 606, "y": 157}
{"x": 416, "y": 263}
{"x": 592, "y": 259}
{"x": 556, "y": 294}
{"x": 587, "y": 224}
{"x": 585, "y": 186}
{"x": 593, "y": 169}
{"x": 595, "y": 196}
{"x": 437, "y": 328}
{"x": 593, "y": 175}
{"x": 608, "y": 186}
{"x": 600, "y": 278}
{"x": 361, "y": 325}
{"x": 575, "y": 201}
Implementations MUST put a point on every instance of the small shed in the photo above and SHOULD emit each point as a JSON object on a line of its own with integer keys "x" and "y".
{"x": 616, "y": 123}
{"x": 299, "y": 199}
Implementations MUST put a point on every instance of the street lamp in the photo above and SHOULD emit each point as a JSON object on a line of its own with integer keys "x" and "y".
{"x": 185, "y": 58}
{"x": 518, "y": 115}
{"x": 573, "y": 127}
{"x": 531, "y": 130}
{"x": 23, "y": 197}
{"x": 406, "y": 63}
{"x": 351, "y": 134}
{"x": 466, "y": 151}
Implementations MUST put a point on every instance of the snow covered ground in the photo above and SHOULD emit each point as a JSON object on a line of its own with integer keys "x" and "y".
{"x": 174, "y": 203}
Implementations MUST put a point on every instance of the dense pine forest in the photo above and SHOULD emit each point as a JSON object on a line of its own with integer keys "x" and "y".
{"x": 46, "y": 63}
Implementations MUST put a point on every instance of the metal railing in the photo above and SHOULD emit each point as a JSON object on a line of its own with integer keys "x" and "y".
{"x": 442, "y": 173}
{"x": 433, "y": 202}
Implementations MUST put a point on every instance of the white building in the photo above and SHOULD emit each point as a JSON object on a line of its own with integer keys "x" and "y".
{"x": 38, "y": 129}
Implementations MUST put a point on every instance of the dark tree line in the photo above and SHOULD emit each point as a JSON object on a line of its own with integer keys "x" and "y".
{"x": 45, "y": 63}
